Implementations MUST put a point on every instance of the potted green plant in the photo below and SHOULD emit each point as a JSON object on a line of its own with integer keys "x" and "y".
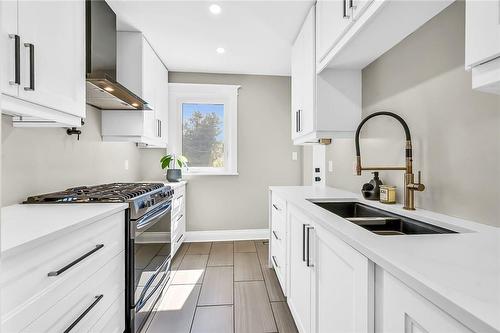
{"x": 170, "y": 162}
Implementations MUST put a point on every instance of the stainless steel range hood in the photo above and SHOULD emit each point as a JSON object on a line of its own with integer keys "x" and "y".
{"x": 103, "y": 92}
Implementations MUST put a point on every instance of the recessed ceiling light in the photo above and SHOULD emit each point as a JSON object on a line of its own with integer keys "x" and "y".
{"x": 108, "y": 89}
{"x": 214, "y": 9}
{"x": 220, "y": 50}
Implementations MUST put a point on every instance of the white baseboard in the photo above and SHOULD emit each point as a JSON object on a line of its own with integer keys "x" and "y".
{"x": 153, "y": 237}
{"x": 225, "y": 235}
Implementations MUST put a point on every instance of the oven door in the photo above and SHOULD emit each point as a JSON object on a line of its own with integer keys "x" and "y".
{"x": 150, "y": 280}
{"x": 152, "y": 217}
{"x": 150, "y": 267}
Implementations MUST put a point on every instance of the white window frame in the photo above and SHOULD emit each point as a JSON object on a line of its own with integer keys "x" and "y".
{"x": 182, "y": 93}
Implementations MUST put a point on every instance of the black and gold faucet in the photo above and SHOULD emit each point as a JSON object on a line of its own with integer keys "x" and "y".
{"x": 410, "y": 185}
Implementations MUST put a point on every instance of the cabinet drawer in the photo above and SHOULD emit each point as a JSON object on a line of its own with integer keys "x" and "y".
{"x": 278, "y": 261}
{"x": 178, "y": 224}
{"x": 277, "y": 223}
{"x": 27, "y": 288}
{"x": 82, "y": 308}
{"x": 279, "y": 206}
{"x": 178, "y": 202}
{"x": 113, "y": 320}
{"x": 177, "y": 241}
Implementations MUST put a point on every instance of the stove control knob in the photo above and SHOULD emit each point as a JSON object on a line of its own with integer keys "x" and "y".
{"x": 148, "y": 203}
{"x": 142, "y": 205}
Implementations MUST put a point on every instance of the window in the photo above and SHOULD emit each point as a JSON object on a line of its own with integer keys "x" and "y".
{"x": 204, "y": 127}
{"x": 203, "y": 134}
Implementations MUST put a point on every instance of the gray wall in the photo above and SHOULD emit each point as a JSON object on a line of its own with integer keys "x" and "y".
{"x": 264, "y": 156}
{"x": 455, "y": 130}
{"x": 40, "y": 160}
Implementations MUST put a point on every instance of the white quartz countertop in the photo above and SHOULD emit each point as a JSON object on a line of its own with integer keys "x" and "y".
{"x": 26, "y": 225}
{"x": 459, "y": 273}
{"x": 174, "y": 185}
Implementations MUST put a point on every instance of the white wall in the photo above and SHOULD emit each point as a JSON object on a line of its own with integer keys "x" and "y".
{"x": 455, "y": 130}
{"x": 40, "y": 160}
{"x": 264, "y": 156}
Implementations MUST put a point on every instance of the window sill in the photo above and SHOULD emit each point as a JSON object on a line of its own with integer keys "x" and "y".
{"x": 221, "y": 173}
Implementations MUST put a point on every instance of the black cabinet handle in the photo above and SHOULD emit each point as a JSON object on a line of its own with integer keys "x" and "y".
{"x": 32, "y": 67}
{"x": 275, "y": 235}
{"x": 345, "y": 9}
{"x": 73, "y": 263}
{"x": 308, "y": 259}
{"x": 275, "y": 263}
{"x": 276, "y": 207}
{"x": 178, "y": 239}
{"x": 17, "y": 60}
{"x": 304, "y": 242}
{"x": 80, "y": 317}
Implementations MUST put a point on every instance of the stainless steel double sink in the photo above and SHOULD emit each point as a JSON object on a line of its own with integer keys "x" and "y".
{"x": 380, "y": 221}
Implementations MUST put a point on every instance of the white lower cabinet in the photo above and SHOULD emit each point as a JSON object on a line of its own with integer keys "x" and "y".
{"x": 400, "y": 309}
{"x": 82, "y": 308}
{"x": 331, "y": 287}
{"x": 343, "y": 286}
{"x": 331, "y": 284}
{"x": 50, "y": 286}
{"x": 300, "y": 275}
{"x": 178, "y": 219}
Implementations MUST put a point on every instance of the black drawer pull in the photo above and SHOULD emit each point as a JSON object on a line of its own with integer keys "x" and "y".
{"x": 275, "y": 263}
{"x": 178, "y": 239}
{"x": 80, "y": 317}
{"x": 180, "y": 217}
{"x": 17, "y": 60}
{"x": 276, "y": 207}
{"x": 73, "y": 263}
{"x": 275, "y": 235}
{"x": 32, "y": 67}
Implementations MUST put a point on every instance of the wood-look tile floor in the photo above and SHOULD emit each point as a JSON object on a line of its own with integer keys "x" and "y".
{"x": 220, "y": 287}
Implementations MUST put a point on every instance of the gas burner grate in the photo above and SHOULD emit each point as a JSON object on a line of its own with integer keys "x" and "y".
{"x": 114, "y": 192}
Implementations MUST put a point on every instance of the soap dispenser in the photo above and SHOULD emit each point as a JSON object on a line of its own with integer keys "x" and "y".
{"x": 371, "y": 190}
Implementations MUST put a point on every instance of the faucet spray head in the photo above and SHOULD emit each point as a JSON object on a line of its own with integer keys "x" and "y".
{"x": 358, "y": 165}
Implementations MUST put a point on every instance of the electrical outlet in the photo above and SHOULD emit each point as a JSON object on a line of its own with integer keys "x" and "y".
{"x": 294, "y": 156}
{"x": 125, "y": 165}
{"x": 330, "y": 166}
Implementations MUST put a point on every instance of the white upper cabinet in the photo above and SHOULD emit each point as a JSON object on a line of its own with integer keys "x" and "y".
{"x": 324, "y": 106}
{"x": 353, "y": 33}
{"x": 482, "y": 44}
{"x": 43, "y": 46}
{"x": 139, "y": 69}
{"x": 332, "y": 20}
{"x": 303, "y": 79}
{"x": 482, "y": 33}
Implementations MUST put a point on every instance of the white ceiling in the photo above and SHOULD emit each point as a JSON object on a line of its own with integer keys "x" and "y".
{"x": 257, "y": 35}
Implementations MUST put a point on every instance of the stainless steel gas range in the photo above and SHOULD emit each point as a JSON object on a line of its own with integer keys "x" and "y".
{"x": 147, "y": 266}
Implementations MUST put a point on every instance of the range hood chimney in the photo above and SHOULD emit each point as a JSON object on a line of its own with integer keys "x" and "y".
{"x": 103, "y": 92}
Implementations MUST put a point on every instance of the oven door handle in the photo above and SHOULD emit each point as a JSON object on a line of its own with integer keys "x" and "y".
{"x": 152, "y": 217}
{"x": 143, "y": 298}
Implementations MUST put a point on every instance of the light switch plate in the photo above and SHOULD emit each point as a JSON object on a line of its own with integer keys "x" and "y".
{"x": 330, "y": 166}
{"x": 294, "y": 156}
